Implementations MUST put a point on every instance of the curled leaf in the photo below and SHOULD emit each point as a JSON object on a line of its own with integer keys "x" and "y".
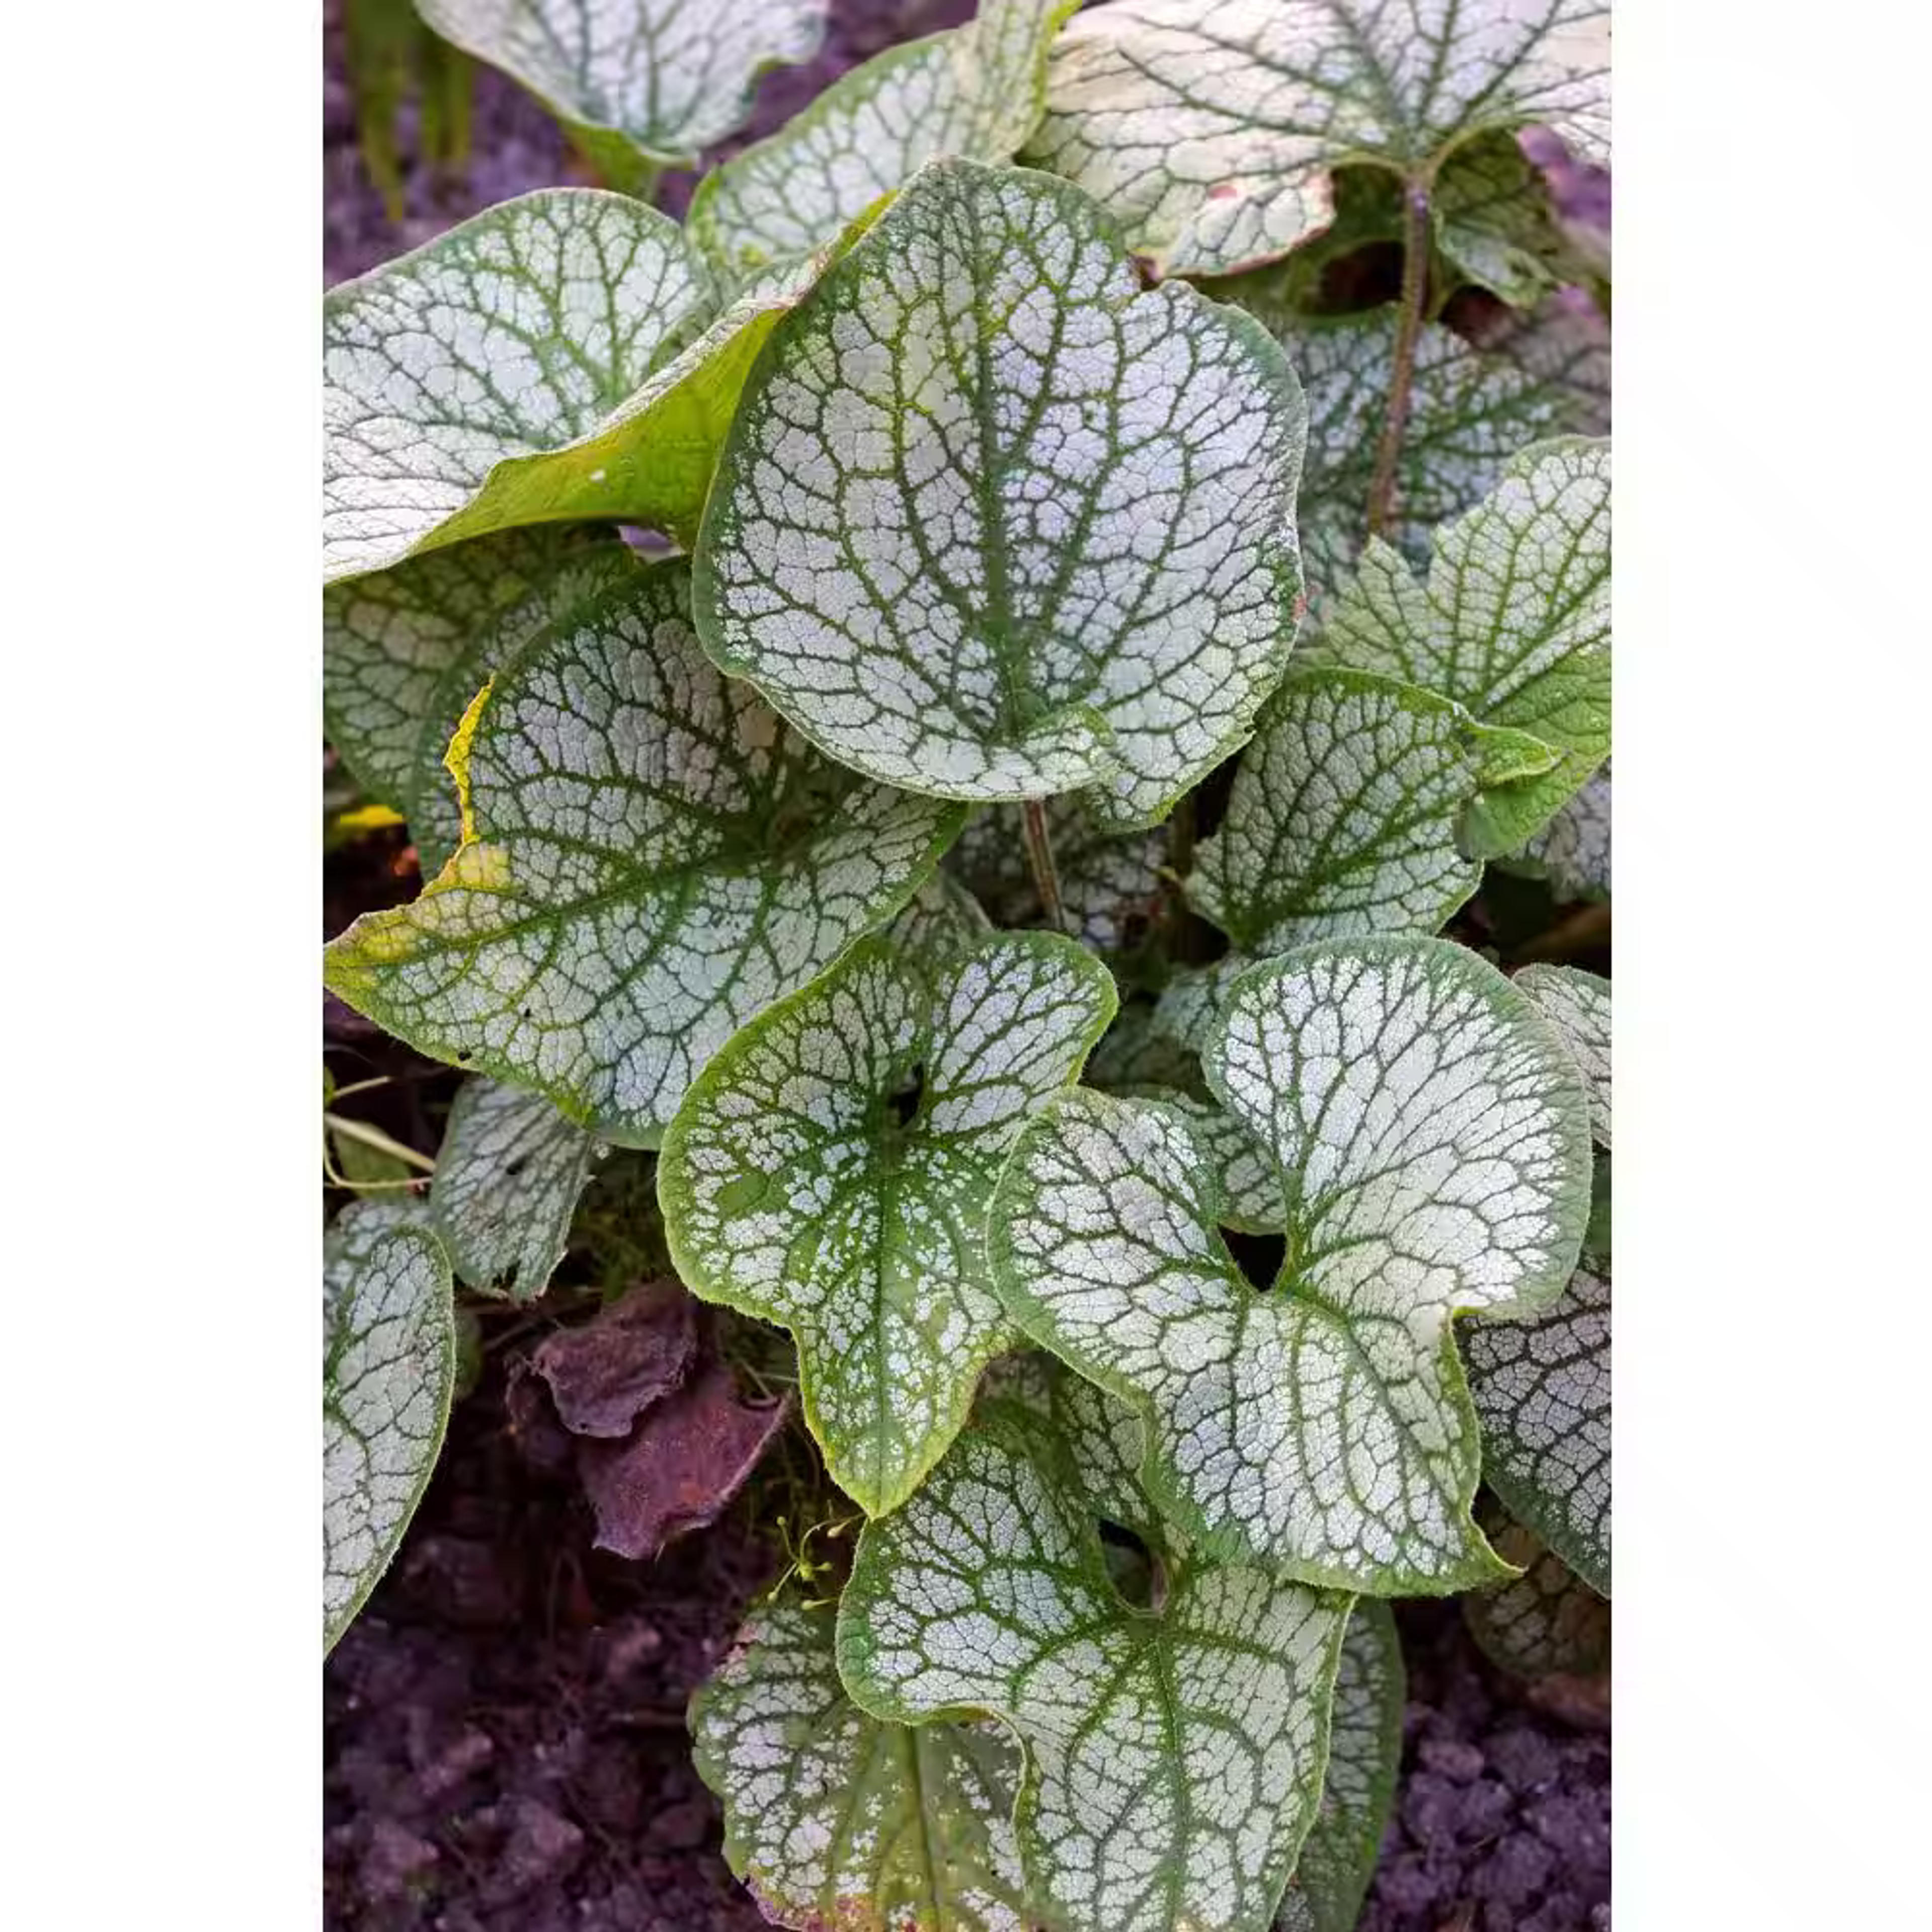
{"x": 512, "y": 336}
{"x": 670, "y": 77}
{"x": 977, "y": 91}
{"x": 687, "y": 1457}
{"x": 604, "y": 1373}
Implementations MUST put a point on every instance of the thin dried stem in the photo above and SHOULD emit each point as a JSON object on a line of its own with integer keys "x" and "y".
{"x": 1040, "y": 857}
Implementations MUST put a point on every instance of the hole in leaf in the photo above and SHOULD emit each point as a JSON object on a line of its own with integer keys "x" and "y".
{"x": 904, "y": 1104}
{"x": 1258, "y": 1256}
{"x": 1136, "y": 1570}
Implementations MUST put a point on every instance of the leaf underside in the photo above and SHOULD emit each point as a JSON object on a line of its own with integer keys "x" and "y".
{"x": 1175, "y": 1760}
{"x": 653, "y": 859}
{"x": 388, "y": 1367}
{"x": 992, "y": 523}
{"x": 1210, "y": 128}
{"x": 832, "y": 1169}
{"x": 1431, "y": 1149}
{"x": 1572, "y": 851}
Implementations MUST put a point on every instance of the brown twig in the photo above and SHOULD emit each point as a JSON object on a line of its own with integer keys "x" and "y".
{"x": 1402, "y": 376}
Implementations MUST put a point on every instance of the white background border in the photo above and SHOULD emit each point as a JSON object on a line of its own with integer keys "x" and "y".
{"x": 160, "y": 721}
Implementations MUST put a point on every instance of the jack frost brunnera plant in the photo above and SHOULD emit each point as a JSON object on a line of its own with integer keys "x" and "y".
{"x": 1021, "y": 868}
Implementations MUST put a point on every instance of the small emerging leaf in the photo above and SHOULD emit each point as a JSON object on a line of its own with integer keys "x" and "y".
{"x": 1175, "y": 1757}
{"x": 1514, "y": 625}
{"x": 1431, "y": 1152}
{"x": 831, "y": 1171}
{"x": 509, "y": 1176}
{"x": 652, "y": 859}
{"x": 994, "y": 523}
{"x": 977, "y": 91}
{"x": 1343, "y": 1846}
{"x": 836, "y": 1819}
{"x": 1209, "y": 128}
{"x": 1541, "y": 1385}
{"x": 670, "y": 76}
{"x": 388, "y": 1366}
{"x": 1345, "y": 813}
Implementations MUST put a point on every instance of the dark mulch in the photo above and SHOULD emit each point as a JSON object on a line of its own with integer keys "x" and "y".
{"x": 505, "y": 1723}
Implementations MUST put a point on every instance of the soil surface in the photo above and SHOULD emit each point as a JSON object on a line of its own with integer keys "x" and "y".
{"x": 505, "y": 1748}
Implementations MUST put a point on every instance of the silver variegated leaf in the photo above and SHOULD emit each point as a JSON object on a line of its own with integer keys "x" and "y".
{"x": 831, "y": 1168}
{"x": 508, "y": 1176}
{"x": 1175, "y": 1755}
{"x": 1210, "y": 128}
{"x": 994, "y": 523}
{"x": 1469, "y": 413}
{"x": 1514, "y": 624}
{"x": 388, "y": 1366}
{"x": 1541, "y": 1385}
{"x": 543, "y": 363}
{"x": 1339, "y": 1855}
{"x": 1346, "y": 813}
{"x": 404, "y": 652}
{"x": 1430, "y": 1139}
{"x": 1545, "y": 1621}
{"x": 836, "y": 1819}
{"x": 650, "y": 858}
{"x": 941, "y": 920}
{"x": 1577, "y": 1003}
{"x": 977, "y": 91}
{"x": 1572, "y": 851}
{"x": 669, "y": 77}
{"x": 514, "y": 335}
